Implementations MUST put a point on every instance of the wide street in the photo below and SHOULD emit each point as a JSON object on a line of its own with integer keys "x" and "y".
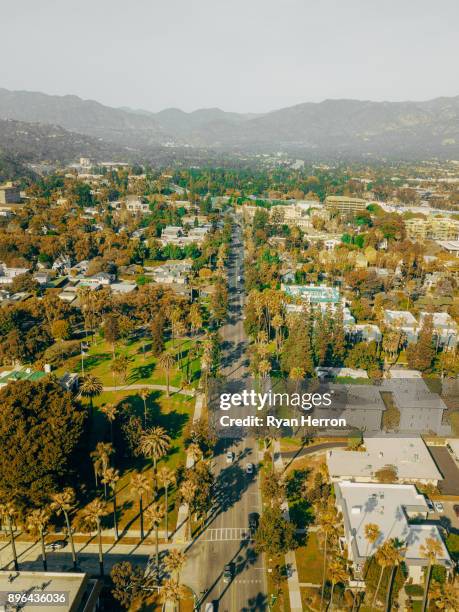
{"x": 226, "y": 538}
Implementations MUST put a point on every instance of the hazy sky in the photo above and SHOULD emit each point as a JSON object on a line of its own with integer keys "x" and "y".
{"x": 240, "y": 55}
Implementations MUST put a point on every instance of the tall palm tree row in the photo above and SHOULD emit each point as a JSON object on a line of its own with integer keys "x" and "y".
{"x": 141, "y": 487}
{"x": 154, "y": 514}
{"x": 166, "y": 478}
{"x": 110, "y": 477}
{"x": 93, "y": 515}
{"x": 36, "y": 523}
{"x": 64, "y": 503}
{"x": 8, "y": 513}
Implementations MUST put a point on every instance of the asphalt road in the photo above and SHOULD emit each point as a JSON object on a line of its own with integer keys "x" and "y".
{"x": 226, "y": 539}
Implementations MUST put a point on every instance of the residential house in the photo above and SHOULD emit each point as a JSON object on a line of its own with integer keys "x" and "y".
{"x": 170, "y": 273}
{"x": 8, "y": 274}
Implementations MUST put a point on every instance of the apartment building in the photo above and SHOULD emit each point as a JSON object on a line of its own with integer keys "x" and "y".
{"x": 344, "y": 204}
{"x": 432, "y": 228}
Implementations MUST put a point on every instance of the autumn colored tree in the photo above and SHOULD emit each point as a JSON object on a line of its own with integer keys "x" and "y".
{"x": 41, "y": 426}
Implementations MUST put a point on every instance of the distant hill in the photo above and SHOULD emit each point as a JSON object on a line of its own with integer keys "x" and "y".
{"x": 83, "y": 116}
{"x": 34, "y": 142}
{"x": 333, "y": 128}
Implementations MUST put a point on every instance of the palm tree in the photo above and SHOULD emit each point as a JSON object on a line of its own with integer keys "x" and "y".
{"x": 327, "y": 524}
{"x": 445, "y": 597}
{"x": 337, "y": 573}
{"x": 431, "y": 550}
{"x": 175, "y": 561}
{"x": 195, "y": 452}
{"x": 36, "y": 523}
{"x": 93, "y": 514}
{"x": 144, "y": 394}
{"x": 110, "y": 411}
{"x": 397, "y": 555}
{"x": 110, "y": 478}
{"x": 372, "y": 535}
{"x": 90, "y": 387}
{"x": 385, "y": 556}
{"x": 188, "y": 491}
{"x": 154, "y": 443}
{"x": 141, "y": 487}
{"x": 154, "y": 514}
{"x": 166, "y": 478}
{"x": 64, "y": 503}
{"x": 8, "y": 512}
{"x": 172, "y": 591}
{"x": 100, "y": 457}
{"x": 166, "y": 362}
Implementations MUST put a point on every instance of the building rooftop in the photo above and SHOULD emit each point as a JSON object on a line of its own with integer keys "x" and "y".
{"x": 389, "y": 507}
{"x": 400, "y": 317}
{"x": 81, "y": 592}
{"x": 315, "y": 294}
{"x": 409, "y": 456}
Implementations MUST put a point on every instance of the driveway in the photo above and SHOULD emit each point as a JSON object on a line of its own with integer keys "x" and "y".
{"x": 445, "y": 463}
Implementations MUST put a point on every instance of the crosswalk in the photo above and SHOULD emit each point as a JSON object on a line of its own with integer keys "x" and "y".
{"x": 227, "y": 534}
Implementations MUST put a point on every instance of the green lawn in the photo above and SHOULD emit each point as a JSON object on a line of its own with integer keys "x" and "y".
{"x": 142, "y": 367}
{"x": 309, "y": 560}
{"x": 173, "y": 414}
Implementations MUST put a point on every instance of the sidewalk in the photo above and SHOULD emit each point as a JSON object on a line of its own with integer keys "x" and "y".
{"x": 180, "y": 536}
{"x": 290, "y": 558}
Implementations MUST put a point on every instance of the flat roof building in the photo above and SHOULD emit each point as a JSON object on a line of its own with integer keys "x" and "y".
{"x": 79, "y": 592}
{"x": 393, "y": 508}
{"x": 409, "y": 457}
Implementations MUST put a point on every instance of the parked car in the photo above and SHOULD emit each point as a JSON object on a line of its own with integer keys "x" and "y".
{"x": 254, "y": 520}
{"x": 56, "y": 545}
{"x": 439, "y": 507}
{"x": 229, "y": 457}
{"x": 228, "y": 572}
{"x": 249, "y": 468}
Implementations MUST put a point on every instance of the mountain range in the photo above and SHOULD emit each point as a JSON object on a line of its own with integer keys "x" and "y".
{"x": 329, "y": 129}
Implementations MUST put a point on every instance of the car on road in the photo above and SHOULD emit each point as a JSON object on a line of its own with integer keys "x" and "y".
{"x": 254, "y": 520}
{"x": 228, "y": 572}
{"x": 456, "y": 510}
{"x": 56, "y": 545}
{"x": 229, "y": 457}
{"x": 439, "y": 507}
{"x": 249, "y": 468}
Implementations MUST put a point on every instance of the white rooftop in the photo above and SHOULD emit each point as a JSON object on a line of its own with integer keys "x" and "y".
{"x": 74, "y": 585}
{"x": 386, "y": 505}
{"x": 409, "y": 456}
{"x": 400, "y": 317}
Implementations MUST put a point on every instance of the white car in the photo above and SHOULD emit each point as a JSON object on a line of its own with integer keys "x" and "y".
{"x": 439, "y": 507}
{"x": 229, "y": 457}
{"x": 249, "y": 468}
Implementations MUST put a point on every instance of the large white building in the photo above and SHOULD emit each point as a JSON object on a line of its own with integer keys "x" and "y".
{"x": 398, "y": 511}
{"x": 409, "y": 457}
